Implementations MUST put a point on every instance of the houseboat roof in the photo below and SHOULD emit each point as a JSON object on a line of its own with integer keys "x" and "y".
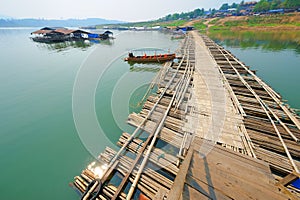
{"x": 47, "y": 28}
{"x": 108, "y": 32}
{"x": 59, "y": 30}
{"x": 41, "y": 31}
{"x": 64, "y": 31}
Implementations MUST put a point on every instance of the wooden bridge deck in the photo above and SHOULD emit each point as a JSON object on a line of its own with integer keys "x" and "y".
{"x": 226, "y": 174}
{"x": 219, "y": 119}
{"x": 214, "y": 131}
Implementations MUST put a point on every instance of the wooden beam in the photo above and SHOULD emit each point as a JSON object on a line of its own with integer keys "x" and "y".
{"x": 179, "y": 181}
{"x": 160, "y": 194}
{"x": 289, "y": 178}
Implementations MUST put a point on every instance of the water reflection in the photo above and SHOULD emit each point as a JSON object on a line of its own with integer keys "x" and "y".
{"x": 81, "y": 44}
{"x": 272, "y": 41}
{"x": 144, "y": 68}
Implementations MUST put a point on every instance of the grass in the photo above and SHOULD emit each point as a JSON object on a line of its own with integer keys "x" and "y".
{"x": 232, "y": 23}
{"x": 254, "y": 21}
{"x": 200, "y": 26}
{"x": 214, "y": 21}
{"x": 174, "y": 23}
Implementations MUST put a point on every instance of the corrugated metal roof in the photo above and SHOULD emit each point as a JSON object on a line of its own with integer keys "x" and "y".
{"x": 47, "y": 28}
{"x": 59, "y": 30}
{"x": 64, "y": 31}
{"x": 41, "y": 31}
{"x": 69, "y": 31}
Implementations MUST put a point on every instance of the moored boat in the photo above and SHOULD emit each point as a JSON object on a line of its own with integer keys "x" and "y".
{"x": 147, "y": 58}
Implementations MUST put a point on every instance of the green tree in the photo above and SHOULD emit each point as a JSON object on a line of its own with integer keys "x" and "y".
{"x": 213, "y": 11}
{"x": 225, "y": 6}
{"x": 168, "y": 17}
{"x": 275, "y": 4}
{"x": 240, "y": 6}
{"x": 293, "y": 4}
{"x": 197, "y": 13}
{"x": 262, "y": 6}
{"x": 175, "y": 16}
{"x": 234, "y": 5}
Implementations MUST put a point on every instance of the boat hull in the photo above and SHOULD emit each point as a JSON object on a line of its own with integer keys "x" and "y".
{"x": 151, "y": 59}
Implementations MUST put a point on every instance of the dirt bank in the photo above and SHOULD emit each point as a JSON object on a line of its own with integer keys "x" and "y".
{"x": 286, "y": 22}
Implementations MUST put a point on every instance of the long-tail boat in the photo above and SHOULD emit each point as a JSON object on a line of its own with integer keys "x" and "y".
{"x": 160, "y": 58}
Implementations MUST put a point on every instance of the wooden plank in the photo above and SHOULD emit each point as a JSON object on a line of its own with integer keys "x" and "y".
{"x": 225, "y": 172}
{"x": 193, "y": 194}
{"x": 179, "y": 181}
{"x": 202, "y": 188}
{"x": 160, "y": 194}
{"x": 289, "y": 178}
{"x": 139, "y": 155}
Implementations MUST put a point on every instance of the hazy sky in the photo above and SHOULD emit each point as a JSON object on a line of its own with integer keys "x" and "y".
{"x": 126, "y": 10}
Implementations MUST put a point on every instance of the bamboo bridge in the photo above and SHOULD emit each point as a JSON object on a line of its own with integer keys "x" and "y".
{"x": 214, "y": 130}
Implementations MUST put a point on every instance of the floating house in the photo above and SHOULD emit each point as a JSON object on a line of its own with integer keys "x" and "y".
{"x": 185, "y": 28}
{"x": 106, "y": 35}
{"x": 51, "y": 35}
{"x": 276, "y": 11}
{"x": 43, "y": 31}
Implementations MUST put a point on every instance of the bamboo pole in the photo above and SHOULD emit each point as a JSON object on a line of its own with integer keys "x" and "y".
{"x": 273, "y": 94}
{"x": 139, "y": 127}
{"x": 90, "y": 191}
{"x": 132, "y": 188}
{"x": 263, "y": 105}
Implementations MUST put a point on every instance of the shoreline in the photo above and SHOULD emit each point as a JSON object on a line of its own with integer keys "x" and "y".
{"x": 286, "y": 22}
{"x": 266, "y": 28}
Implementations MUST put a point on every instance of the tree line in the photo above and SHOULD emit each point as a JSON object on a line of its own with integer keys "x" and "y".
{"x": 261, "y": 6}
{"x": 265, "y": 5}
{"x": 184, "y": 15}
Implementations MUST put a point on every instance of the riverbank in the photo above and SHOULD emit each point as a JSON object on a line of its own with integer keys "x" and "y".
{"x": 283, "y": 22}
{"x": 278, "y": 39}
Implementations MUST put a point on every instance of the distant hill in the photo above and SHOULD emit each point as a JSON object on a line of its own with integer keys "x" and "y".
{"x": 5, "y": 22}
{"x": 4, "y": 17}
